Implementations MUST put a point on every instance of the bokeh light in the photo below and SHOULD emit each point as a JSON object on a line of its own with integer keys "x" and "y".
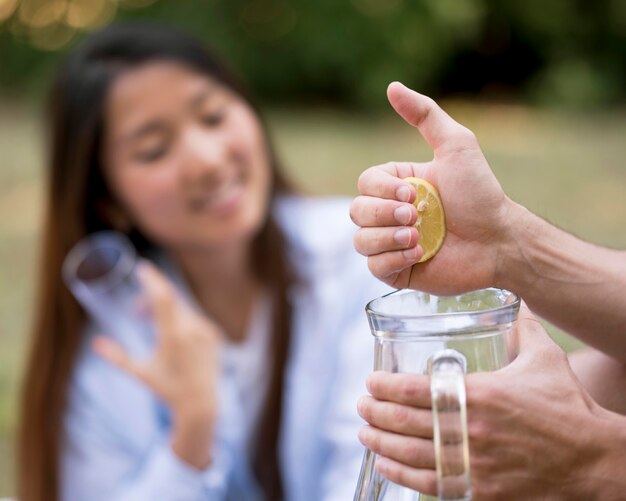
{"x": 7, "y": 7}
{"x": 52, "y": 24}
{"x": 89, "y": 14}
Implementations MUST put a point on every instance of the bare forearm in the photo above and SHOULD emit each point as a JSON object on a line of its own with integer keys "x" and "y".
{"x": 602, "y": 376}
{"x": 576, "y": 285}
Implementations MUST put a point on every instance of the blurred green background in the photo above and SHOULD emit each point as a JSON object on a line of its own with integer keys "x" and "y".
{"x": 542, "y": 83}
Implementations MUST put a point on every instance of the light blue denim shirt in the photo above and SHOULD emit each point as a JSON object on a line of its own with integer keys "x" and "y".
{"x": 117, "y": 444}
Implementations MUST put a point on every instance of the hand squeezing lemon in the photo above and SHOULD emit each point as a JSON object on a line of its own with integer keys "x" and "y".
{"x": 431, "y": 219}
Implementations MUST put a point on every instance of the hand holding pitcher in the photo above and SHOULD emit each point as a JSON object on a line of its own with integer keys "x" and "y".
{"x": 529, "y": 427}
{"x": 417, "y": 335}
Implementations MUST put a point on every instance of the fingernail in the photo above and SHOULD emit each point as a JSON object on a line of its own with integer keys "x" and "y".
{"x": 97, "y": 344}
{"x": 402, "y": 214}
{"x": 410, "y": 254}
{"x": 143, "y": 268}
{"x": 359, "y": 405}
{"x": 419, "y": 252}
{"x": 382, "y": 464}
{"x": 402, "y": 236}
{"x": 403, "y": 193}
{"x": 363, "y": 435}
{"x": 100, "y": 345}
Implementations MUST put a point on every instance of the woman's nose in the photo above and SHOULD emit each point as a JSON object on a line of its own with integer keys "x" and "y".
{"x": 203, "y": 153}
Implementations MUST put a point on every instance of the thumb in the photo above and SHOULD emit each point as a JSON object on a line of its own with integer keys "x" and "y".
{"x": 532, "y": 336}
{"x": 437, "y": 127}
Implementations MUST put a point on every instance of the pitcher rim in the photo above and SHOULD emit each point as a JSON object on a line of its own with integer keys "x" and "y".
{"x": 513, "y": 305}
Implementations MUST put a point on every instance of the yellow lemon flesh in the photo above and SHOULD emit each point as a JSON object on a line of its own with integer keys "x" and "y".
{"x": 431, "y": 219}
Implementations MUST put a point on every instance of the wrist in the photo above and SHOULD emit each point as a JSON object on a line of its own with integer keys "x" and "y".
{"x": 193, "y": 415}
{"x": 192, "y": 433}
{"x": 193, "y": 405}
{"x": 517, "y": 230}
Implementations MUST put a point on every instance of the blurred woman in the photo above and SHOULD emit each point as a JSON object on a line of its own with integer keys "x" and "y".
{"x": 252, "y": 383}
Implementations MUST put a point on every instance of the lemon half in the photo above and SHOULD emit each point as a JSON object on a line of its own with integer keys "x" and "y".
{"x": 431, "y": 219}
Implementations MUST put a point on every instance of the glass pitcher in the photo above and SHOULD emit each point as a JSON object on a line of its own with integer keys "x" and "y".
{"x": 445, "y": 337}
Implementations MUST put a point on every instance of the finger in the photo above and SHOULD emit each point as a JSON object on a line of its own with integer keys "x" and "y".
{"x": 160, "y": 294}
{"x": 411, "y": 451}
{"x": 397, "y": 418}
{"x": 372, "y": 241}
{"x": 385, "y": 181}
{"x": 421, "y": 480}
{"x": 407, "y": 389}
{"x": 372, "y": 211}
{"x": 387, "y": 264}
{"x": 115, "y": 355}
{"x": 437, "y": 127}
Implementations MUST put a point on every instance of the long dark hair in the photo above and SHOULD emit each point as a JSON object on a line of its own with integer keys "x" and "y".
{"x": 75, "y": 187}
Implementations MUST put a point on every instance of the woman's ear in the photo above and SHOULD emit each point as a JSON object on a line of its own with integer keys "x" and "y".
{"x": 113, "y": 214}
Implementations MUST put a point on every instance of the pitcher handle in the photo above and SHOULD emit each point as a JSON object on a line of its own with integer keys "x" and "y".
{"x": 447, "y": 389}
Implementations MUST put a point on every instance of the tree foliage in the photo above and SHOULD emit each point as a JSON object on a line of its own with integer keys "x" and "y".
{"x": 302, "y": 51}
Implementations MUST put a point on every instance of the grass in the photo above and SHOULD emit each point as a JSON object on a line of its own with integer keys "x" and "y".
{"x": 569, "y": 168}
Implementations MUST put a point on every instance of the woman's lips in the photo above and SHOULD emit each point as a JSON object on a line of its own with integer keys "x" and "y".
{"x": 222, "y": 201}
